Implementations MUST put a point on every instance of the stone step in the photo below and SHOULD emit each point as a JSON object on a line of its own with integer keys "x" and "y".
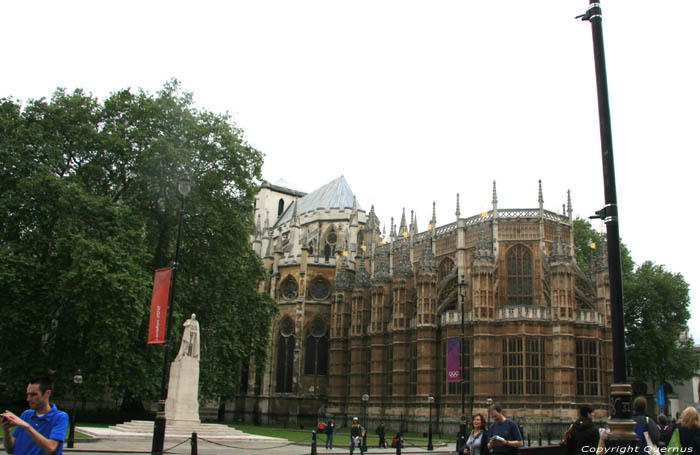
{"x": 139, "y": 429}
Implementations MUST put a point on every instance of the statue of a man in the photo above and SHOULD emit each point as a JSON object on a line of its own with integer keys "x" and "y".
{"x": 189, "y": 347}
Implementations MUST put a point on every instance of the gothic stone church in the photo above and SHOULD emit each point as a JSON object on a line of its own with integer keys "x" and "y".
{"x": 362, "y": 313}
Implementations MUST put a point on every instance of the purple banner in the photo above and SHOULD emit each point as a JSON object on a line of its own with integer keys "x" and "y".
{"x": 454, "y": 372}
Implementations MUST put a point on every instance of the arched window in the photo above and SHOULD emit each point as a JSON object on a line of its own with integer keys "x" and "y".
{"x": 285, "y": 357}
{"x": 320, "y": 288}
{"x": 289, "y": 288}
{"x": 316, "y": 353}
{"x": 445, "y": 268}
{"x": 519, "y": 264}
{"x": 280, "y": 207}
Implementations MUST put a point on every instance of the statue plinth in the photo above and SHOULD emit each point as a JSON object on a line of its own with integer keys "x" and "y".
{"x": 182, "y": 405}
{"x": 182, "y": 402}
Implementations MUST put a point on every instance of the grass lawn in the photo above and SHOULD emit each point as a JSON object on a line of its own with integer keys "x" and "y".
{"x": 341, "y": 436}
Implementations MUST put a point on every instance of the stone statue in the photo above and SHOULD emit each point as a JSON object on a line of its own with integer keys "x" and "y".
{"x": 189, "y": 347}
{"x": 182, "y": 405}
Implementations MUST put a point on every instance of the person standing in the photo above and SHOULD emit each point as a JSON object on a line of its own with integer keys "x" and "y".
{"x": 476, "y": 444}
{"x": 41, "y": 428}
{"x": 504, "y": 435}
{"x": 329, "y": 430}
{"x": 582, "y": 435}
{"x": 356, "y": 433}
{"x": 381, "y": 432}
{"x": 689, "y": 430}
{"x": 644, "y": 424}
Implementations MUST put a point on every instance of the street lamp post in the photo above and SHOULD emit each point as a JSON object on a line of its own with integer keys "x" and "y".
{"x": 184, "y": 185}
{"x": 77, "y": 382}
{"x": 489, "y": 402}
{"x": 463, "y": 424}
{"x": 622, "y": 425}
{"x": 431, "y": 399}
{"x": 365, "y": 399}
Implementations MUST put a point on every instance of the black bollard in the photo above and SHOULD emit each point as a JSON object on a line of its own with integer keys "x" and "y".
{"x": 313, "y": 443}
{"x": 528, "y": 440}
{"x": 549, "y": 438}
{"x": 539, "y": 442}
{"x": 194, "y": 444}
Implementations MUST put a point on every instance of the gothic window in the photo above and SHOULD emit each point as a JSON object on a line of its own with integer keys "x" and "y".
{"x": 289, "y": 288}
{"x": 320, "y": 288}
{"x": 316, "y": 358}
{"x": 519, "y": 268}
{"x": 587, "y": 370}
{"x": 280, "y": 207}
{"x": 285, "y": 357}
{"x": 327, "y": 252}
{"x": 523, "y": 366}
{"x": 445, "y": 268}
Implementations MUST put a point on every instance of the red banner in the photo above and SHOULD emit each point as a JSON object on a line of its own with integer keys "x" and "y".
{"x": 159, "y": 306}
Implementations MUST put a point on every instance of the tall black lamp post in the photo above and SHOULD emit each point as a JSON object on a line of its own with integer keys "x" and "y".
{"x": 463, "y": 422}
{"x": 77, "y": 382}
{"x": 621, "y": 425}
{"x": 365, "y": 399}
{"x": 184, "y": 185}
{"x": 431, "y": 399}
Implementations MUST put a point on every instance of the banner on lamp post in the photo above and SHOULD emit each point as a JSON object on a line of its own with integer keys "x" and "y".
{"x": 159, "y": 306}
{"x": 454, "y": 371}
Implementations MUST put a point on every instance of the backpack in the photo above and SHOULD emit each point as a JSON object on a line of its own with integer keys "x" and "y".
{"x": 320, "y": 426}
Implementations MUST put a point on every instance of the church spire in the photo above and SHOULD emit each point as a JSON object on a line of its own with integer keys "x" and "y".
{"x": 494, "y": 201}
{"x": 433, "y": 220}
{"x": 403, "y": 228}
{"x": 540, "y": 198}
{"x": 457, "y": 211}
{"x": 569, "y": 208}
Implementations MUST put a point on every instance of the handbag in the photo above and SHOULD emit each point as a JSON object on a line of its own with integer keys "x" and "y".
{"x": 674, "y": 445}
{"x": 652, "y": 448}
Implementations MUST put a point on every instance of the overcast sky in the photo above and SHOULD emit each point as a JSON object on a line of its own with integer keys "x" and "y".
{"x": 411, "y": 101}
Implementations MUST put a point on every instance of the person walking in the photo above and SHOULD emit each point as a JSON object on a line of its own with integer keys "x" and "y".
{"x": 381, "y": 432}
{"x": 582, "y": 436}
{"x": 356, "y": 433}
{"x": 665, "y": 430}
{"x": 329, "y": 430}
{"x": 644, "y": 424}
{"x": 689, "y": 430}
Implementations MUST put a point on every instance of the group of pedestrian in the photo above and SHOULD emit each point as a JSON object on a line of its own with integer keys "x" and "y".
{"x": 504, "y": 436}
{"x": 357, "y": 434}
{"x": 583, "y": 434}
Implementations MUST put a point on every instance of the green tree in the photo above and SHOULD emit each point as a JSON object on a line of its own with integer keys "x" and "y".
{"x": 90, "y": 211}
{"x": 587, "y": 244}
{"x": 656, "y": 316}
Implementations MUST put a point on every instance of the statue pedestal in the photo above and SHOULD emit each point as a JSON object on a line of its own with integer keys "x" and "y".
{"x": 183, "y": 390}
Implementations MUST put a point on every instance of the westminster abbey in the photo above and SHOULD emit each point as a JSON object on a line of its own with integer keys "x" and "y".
{"x": 366, "y": 319}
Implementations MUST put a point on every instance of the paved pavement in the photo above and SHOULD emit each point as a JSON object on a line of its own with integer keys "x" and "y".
{"x": 209, "y": 448}
{"x": 143, "y": 446}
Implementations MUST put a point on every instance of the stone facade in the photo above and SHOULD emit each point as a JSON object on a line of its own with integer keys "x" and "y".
{"x": 367, "y": 313}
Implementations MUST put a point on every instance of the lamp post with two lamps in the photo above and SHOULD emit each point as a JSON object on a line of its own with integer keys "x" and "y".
{"x": 184, "y": 185}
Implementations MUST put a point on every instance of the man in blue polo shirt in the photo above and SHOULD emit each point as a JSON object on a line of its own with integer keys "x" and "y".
{"x": 41, "y": 428}
{"x": 504, "y": 435}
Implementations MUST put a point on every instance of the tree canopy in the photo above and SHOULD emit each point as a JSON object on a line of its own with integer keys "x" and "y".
{"x": 656, "y": 306}
{"x": 90, "y": 210}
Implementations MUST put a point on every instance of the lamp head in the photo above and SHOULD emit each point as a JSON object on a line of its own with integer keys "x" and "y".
{"x": 184, "y": 185}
